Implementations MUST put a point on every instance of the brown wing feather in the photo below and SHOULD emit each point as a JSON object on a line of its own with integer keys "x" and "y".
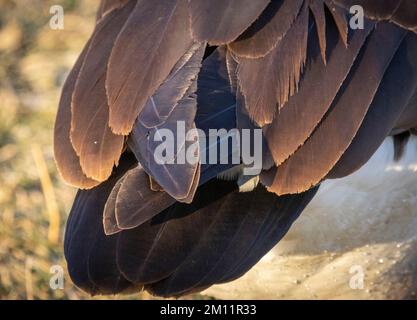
{"x": 153, "y": 40}
{"x": 303, "y": 112}
{"x": 107, "y": 6}
{"x": 135, "y": 208}
{"x": 317, "y": 7}
{"x": 166, "y": 109}
{"x": 231, "y": 66}
{"x": 179, "y": 177}
{"x": 268, "y": 82}
{"x": 98, "y": 148}
{"x": 394, "y": 97}
{"x": 160, "y": 106}
{"x": 408, "y": 118}
{"x": 220, "y": 22}
{"x": 109, "y": 212}
{"x": 66, "y": 159}
{"x": 311, "y": 163}
{"x": 339, "y": 16}
{"x": 268, "y": 29}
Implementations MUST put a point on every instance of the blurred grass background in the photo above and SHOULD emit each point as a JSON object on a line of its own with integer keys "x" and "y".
{"x": 34, "y": 202}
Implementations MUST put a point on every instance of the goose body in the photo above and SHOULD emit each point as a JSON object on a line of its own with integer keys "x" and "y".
{"x": 320, "y": 97}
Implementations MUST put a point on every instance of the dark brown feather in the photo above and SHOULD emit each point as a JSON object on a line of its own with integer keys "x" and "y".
{"x": 339, "y": 17}
{"x": 268, "y": 82}
{"x": 66, "y": 159}
{"x": 109, "y": 213}
{"x": 231, "y": 66}
{"x": 155, "y": 249}
{"x": 160, "y": 106}
{"x": 317, "y": 8}
{"x": 177, "y": 179}
{"x": 303, "y": 112}
{"x": 98, "y": 148}
{"x": 155, "y": 37}
{"x": 136, "y": 203}
{"x": 90, "y": 254}
{"x": 107, "y": 6}
{"x": 180, "y": 180}
{"x": 220, "y": 22}
{"x": 388, "y": 105}
{"x": 154, "y": 185}
{"x": 237, "y": 235}
{"x": 268, "y": 29}
{"x": 311, "y": 163}
{"x": 408, "y": 118}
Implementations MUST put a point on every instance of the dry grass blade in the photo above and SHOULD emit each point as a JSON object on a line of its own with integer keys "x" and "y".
{"x": 49, "y": 195}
